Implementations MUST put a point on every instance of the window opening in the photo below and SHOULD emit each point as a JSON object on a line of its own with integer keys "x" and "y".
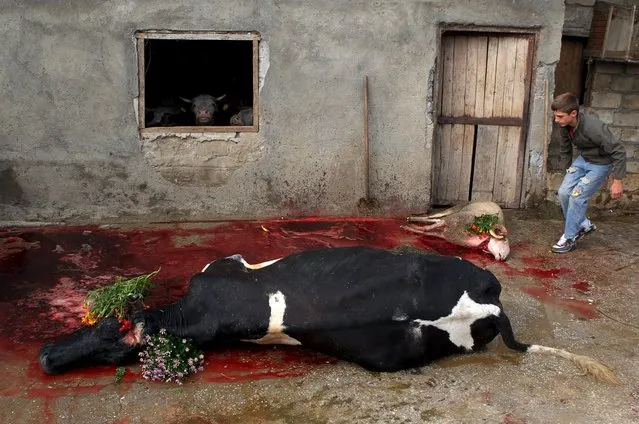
{"x": 197, "y": 82}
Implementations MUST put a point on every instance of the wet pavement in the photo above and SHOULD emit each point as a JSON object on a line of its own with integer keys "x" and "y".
{"x": 584, "y": 301}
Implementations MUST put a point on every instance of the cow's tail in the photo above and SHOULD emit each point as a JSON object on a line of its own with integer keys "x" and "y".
{"x": 586, "y": 364}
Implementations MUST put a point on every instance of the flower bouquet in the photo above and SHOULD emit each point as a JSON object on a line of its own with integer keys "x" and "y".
{"x": 168, "y": 357}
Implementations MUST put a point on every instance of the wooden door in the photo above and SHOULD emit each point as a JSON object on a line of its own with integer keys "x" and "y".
{"x": 569, "y": 71}
{"x": 479, "y": 150}
{"x": 569, "y": 78}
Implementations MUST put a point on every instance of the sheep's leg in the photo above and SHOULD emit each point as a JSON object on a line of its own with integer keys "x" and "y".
{"x": 429, "y": 230}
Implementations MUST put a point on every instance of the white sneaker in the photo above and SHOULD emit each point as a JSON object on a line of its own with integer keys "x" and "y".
{"x": 585, "y": 230}
{"x": 564, "y": 245}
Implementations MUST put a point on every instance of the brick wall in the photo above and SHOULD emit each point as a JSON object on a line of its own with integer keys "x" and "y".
{"x": 613, "y": 96}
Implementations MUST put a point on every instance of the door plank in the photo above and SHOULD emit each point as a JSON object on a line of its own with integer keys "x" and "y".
{"x": 455, "y": 160}
{"x": 485, "y": 160}
{"x": 504, "y": 62}
{"x": 437, "y": 162}
{"x": 505, "y": 186}
{"x": 471, "y": 77}
{"x": 468, "y": 141}
{"x": 519, "y": 86}
{"x": 510, "y": 52}
{"x": 491, "y": 70}
{"x": 482, "y": 51}
{"x": 444, "y": 159}
{"x": 459, "y": 74}
{"x": 447, "y": 76}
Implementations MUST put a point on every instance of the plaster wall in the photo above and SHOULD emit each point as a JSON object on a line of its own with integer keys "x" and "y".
{"x": 578, "y": 17}
{"x": 70, "y": 150}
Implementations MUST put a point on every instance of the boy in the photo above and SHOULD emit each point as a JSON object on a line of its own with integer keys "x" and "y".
{"x": 600, "y": 153}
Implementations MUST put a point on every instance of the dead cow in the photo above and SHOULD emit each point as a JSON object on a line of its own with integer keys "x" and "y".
{"x": 455, "y": 226}
{"x": 204, "y": 107}
{"x": 243, "y": 117}
{"x": 384, "y": 310}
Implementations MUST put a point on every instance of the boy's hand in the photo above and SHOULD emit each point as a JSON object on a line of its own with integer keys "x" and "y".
{"x": 616, "y": 189}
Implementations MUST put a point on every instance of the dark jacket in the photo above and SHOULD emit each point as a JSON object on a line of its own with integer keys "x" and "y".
{"x": 595, "y": 143}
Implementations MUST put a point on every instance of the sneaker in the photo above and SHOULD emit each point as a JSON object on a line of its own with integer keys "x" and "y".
{"x": 564, "y": 245}
{"x": 585, "y": 231}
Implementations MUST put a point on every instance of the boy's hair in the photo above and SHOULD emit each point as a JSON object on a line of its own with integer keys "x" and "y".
{"x": 566, "y": 103}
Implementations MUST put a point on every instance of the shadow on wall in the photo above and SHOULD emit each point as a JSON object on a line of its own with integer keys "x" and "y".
{"x": 11, "y": 192}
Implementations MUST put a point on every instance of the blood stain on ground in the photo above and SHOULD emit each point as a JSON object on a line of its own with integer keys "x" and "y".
{"x": 46, "y": 272}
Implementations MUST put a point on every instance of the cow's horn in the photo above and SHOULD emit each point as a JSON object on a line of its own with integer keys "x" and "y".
{"x": 495, "y": 234}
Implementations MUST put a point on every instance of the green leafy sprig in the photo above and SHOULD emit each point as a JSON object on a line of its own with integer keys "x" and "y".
{"x": 114, "y": 299}
{"x": 119, "y": 374}
{"x": 483, "y": 224}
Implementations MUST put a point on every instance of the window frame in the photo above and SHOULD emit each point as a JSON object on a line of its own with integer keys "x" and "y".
{"x": 142, "y": 35}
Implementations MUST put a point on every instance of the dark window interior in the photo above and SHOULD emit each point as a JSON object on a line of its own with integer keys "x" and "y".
{"x": 178, "y": 69}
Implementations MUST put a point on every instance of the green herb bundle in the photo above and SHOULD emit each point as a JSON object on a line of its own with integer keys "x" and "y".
{"x": 114, "y": 299}
{"x": 483, "y": 224}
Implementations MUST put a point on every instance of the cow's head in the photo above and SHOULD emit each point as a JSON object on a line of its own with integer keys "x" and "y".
{"x": 498, "y": 244}
{"x": 101, "y": 343}
{"x": 204, "y": 107}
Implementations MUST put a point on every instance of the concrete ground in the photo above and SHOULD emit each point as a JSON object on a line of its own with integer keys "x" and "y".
{"x": 585, "y": 301}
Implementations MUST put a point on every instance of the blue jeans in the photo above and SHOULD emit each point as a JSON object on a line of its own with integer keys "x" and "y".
{"x": 581, "y": 182}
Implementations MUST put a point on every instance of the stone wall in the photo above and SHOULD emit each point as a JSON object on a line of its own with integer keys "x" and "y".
{"x": 614, "y": 97}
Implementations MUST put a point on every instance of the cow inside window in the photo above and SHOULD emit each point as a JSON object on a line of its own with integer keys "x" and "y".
{"x": 197, "y": 82}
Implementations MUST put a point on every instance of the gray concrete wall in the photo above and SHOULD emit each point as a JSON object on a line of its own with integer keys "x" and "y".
{"x": 70, "y": 150}
{"x": 578, "y": 17}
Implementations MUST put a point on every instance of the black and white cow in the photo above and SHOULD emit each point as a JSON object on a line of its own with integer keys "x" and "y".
{"x": 384, "y": 310}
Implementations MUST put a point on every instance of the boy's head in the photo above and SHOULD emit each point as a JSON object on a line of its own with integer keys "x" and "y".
{"x": 565, "y": 107}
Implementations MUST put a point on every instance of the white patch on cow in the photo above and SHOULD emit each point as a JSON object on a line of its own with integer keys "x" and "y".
{"x": 277, "y": 303}
{"x": 247, "y": 265}
{"x": 275, "y": 332}
{"x": 239, "y": 258}
{"x": 260, "y": 265}
{"x": 399, "y": 315}
{"x": 462, "y": 316}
